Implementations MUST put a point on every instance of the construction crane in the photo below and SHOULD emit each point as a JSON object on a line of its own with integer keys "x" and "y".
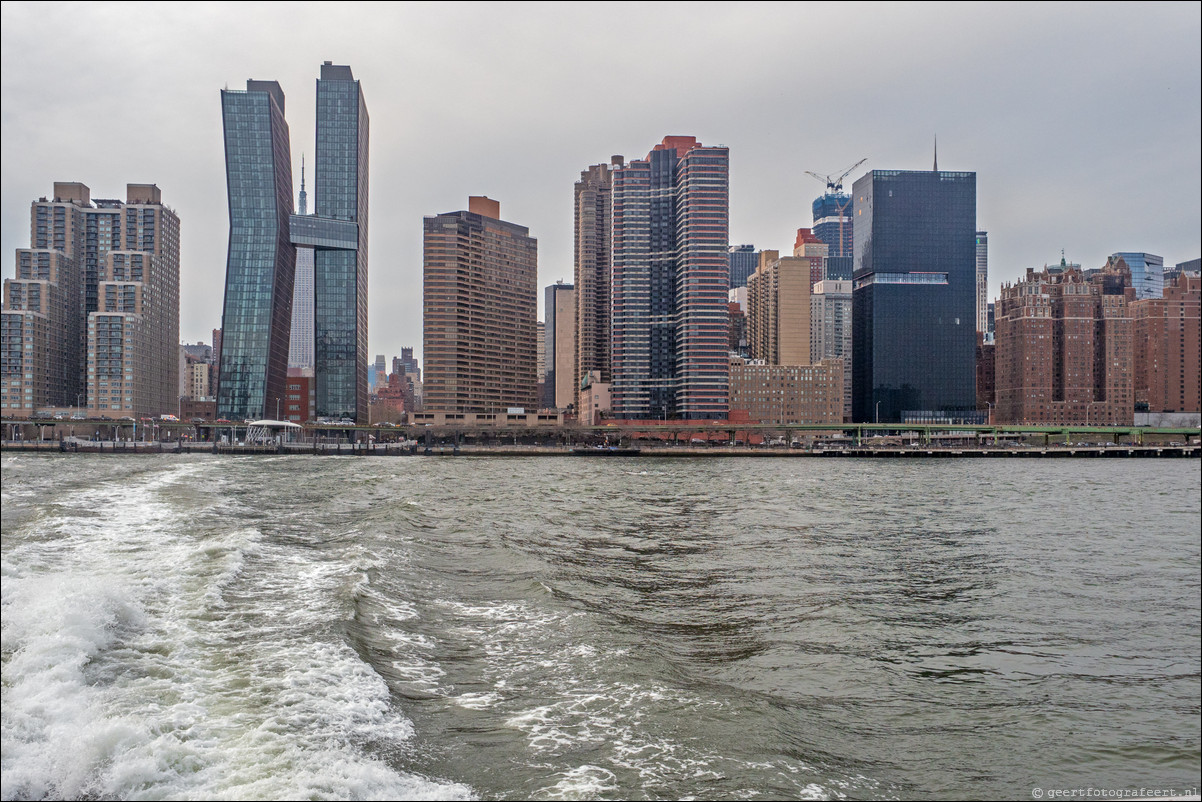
{"x": 835, "y": 184}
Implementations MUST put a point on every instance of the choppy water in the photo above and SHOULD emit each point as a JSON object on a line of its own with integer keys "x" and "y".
{"x": 204, "y": 627}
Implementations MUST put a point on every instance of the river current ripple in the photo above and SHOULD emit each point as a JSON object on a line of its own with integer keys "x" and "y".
{"x": 196, "y": 627}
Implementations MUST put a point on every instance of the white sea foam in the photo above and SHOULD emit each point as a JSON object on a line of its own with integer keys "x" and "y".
{"x": 128, "y": 673}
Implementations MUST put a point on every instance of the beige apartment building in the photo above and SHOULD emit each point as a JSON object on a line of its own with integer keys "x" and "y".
{"x": 778, "y": 305}
{"x": 480, "y": 307}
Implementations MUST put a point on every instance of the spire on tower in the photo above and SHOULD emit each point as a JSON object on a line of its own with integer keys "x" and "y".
{"x": 936, "y": 167}
{"x": 304, "y": 197}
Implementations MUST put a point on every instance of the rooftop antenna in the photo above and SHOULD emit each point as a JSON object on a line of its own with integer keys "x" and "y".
{"x": 936, "y": 167}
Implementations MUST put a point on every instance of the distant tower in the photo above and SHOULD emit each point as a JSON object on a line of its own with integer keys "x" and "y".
{"x": 983, "y": 282}
{"x": 300, "y": 348}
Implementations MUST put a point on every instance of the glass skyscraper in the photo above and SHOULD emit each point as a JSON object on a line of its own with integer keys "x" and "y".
{"x": 1147, "y": 273}
{"x": 340, "y": 264}
{"x": 833, "y": 223}
{"x": 914, "y": 296}
{"x": 261, "y": 261}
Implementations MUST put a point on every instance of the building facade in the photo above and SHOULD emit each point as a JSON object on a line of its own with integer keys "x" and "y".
{"x": 778, "y": 308}
{"x": 1168, "y": 348}
{"x": 830, "y": 329}
{"x": 256, "y": 317}
{"x": 1063, "y": 349}
{"x": 92, "y": 316}
{"x": 788, "y": 393}
{"x": 480, "y": 308}
{"x": 560, "y": 346}
{"x": 1147, "y": 273}
{"x": 593, "y": 231}
{"x": 982, "y": 282}
{"x": 913, "y": 296}
{"x": 670, "y": 284}
{"x": 743, "y": 259}
{"x": 833, "y": 223}
{"x": 340, "y": 195}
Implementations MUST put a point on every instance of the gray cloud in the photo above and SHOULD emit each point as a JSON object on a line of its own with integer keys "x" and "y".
{"x": 1083, "y": 122}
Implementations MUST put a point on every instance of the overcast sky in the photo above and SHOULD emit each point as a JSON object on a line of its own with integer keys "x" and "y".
{"x": 1082, "y": 121}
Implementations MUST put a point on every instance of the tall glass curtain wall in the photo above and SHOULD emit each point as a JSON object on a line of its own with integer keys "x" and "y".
{"x": 340, "y": 276}
{"x": 261, "y": 261}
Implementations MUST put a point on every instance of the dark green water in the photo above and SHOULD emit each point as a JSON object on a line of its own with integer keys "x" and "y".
{"x": 202, "y": 627}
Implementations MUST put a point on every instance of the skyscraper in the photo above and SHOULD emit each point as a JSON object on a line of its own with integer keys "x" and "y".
{"x": 93, "y": 312}
{"x": 982, "y": 282}
{"x": 593, "y": 240}
{"x": 833, "y": 222}
{"x": 670, "y": 283}
{"x": 261, "y": 264}
{"x": 300, "y": 348}
{"x": 744, "y": 259}
{"x": 914, "y": 296}
{"x": 264, "y": 235}
{"x": 778, "y": 308}
{"x": 560, "y": 312}
{"x": 1147, "y": 273}
{"x": 340, "y": 268}
{"x": 480, "y": 308}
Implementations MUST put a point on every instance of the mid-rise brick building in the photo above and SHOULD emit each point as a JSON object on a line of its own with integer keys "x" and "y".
{"x": 1167, "y": 350}
{"x": 787, "y": 393}
{"x": 1064, "y": 348}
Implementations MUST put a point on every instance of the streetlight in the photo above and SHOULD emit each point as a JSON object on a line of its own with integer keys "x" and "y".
{"x": 878, "y": 411}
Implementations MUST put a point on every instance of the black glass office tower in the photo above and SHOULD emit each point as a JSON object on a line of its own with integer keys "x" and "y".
{"x": 261, "y": 261}
{"x": 340, "y": 270}
{"x": 913, "y": 296}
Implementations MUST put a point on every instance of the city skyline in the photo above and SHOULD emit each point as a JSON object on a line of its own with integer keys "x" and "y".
{"x": 1065, "y": 106}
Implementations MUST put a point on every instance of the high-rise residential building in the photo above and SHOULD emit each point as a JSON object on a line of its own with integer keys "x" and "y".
{"x": 830, "y": 329}
{"x": 560, "y": 346}
{"x": 1063, "y": 350}
{"x": 300, "y": 347}
{"x": 480, "y": 307}
{"x": 257, "y": 316}
{"x": 670, "y": 283}
{"x": 982, "y": 282}
{"x": 340, "y": 190}
{"x": 593, "y": 220}
{"x": 833, "y": 222}
{"x": 913, "y": 296}
{"x": 810, "y": 247}
{"x": 743, "y": 260}
{"x": 95, "y": 303}
{"x": 1168, "y": 348}
{"x": 1147, "y": 273}
{"x": 778, "y": 307}
{"x": 264, "y": 238}
{"x": 133, "y": 336}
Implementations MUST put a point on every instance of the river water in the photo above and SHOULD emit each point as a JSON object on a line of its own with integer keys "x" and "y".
{"x": 510, "y": 628}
